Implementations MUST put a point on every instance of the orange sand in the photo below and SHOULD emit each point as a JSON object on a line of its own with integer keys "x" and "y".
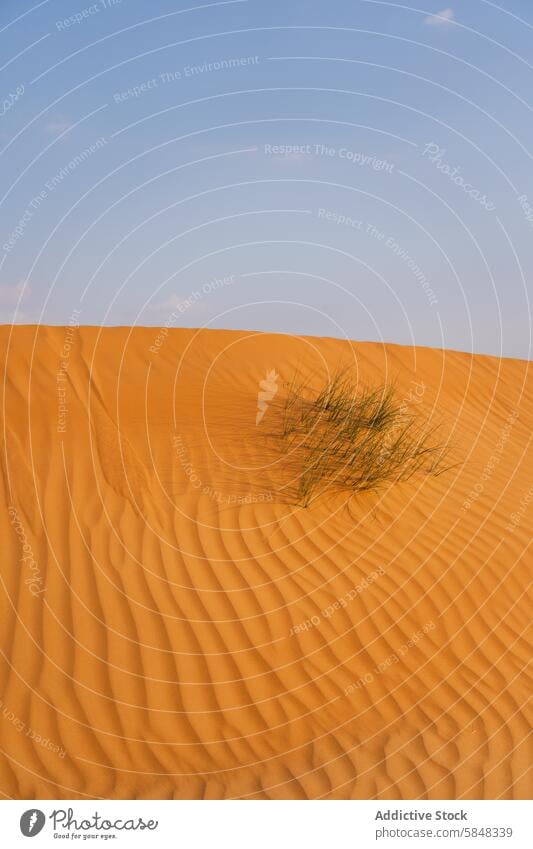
{"x": 177, "y": 630}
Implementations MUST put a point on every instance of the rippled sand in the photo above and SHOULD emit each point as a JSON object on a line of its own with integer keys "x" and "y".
{"x": 171, "y": 628}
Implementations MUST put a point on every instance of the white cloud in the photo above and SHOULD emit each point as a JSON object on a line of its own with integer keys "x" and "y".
{"x": 10, "y": 293}
{"x": 9, "y": 317}
{"x": 9, "y": 298}
{"x": 440, "y": 19}
{"x": 172, "y": 303}
{"x": 175, "y": 304}
{"x": 58, "y": 127}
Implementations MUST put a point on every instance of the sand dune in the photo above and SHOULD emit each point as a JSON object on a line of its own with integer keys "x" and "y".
{"x": 173, "y": 628}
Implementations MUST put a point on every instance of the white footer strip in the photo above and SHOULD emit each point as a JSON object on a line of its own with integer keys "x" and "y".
{"x": 267, "y": 825}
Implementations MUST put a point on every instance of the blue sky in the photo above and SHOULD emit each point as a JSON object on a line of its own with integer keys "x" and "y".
{"x": 355, "y": 169}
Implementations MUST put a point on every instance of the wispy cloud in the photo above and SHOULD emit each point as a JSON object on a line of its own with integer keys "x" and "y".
{"x": 288, "y": 159}
{"x": 440, "y": 19}
{"x": 175, "y": 304}
{"x": 21, "y": 317}
{"x": 11, "y": 292}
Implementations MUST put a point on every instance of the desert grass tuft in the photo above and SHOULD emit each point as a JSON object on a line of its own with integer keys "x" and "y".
{"x": 353, "y": 438}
